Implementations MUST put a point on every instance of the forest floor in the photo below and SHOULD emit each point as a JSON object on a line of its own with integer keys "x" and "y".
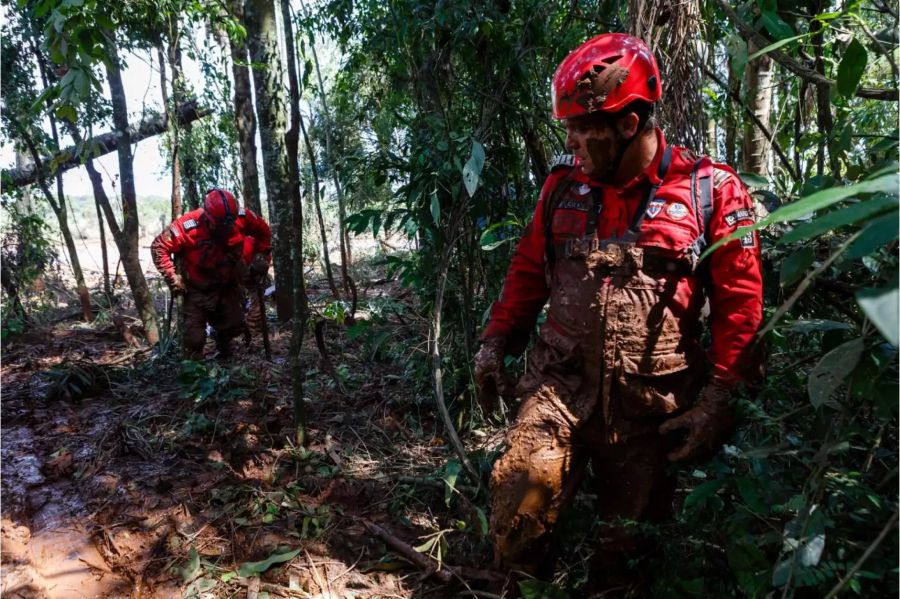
{"x": 126, "y": 473}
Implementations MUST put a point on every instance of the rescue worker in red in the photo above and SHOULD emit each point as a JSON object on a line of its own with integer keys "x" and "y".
{"x": 218, "y": 247}
{"x": 617, "y": 376}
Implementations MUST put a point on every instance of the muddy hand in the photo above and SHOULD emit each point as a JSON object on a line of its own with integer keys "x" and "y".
{"x": 491, "y": 379}
{"x": 706, "y": 424}
{"x": 177, "y": 286}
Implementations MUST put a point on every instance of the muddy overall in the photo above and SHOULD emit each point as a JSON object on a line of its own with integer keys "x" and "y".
{"x": 611, "y": 363}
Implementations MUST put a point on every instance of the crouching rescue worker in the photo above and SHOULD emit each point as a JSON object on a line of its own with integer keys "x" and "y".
{"x": 218, "y": 247}
{"x": 617, "y": 376}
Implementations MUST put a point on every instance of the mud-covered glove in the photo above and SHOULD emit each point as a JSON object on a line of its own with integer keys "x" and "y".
{"x": 177, "y": 286}
{"x": 260, "y": 265}
{"x": 491, "y": 378}
{"x": 706, "y": 424}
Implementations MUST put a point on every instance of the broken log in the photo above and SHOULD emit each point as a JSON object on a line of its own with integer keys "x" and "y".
{"x": 97, "y": 146}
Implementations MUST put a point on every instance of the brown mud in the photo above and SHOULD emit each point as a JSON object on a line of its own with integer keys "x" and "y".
{"x": 139, "y": 490}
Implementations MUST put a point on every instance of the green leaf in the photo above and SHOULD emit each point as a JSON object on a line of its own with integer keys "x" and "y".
{"x": 832, "y": 369}
{"x": 435, "y": 208}
{"x": 703, "y": 492}
{"x": 877, "y": 233}
{"x": 737, "y": 50}
{"x": 535, "y": 589}
{"x": 191, "y": 567}
{"x": 838, "y": 218}
{"x": 776, "y": 45}
{"x": 886, "y": 183}
{"x": 451, "y": 474}
{"x": 882, "y": 306}
{"x": 248, "y": 569}
{"x": 749, "y": 490}
{"x": 753, "y": 180}
{"x": 795, "y": 265}
{"x": 482, "y": 519}
{"x": 775, "y": 25}
{"x": 851, "y": 69}
{"x": 473, "y": 167}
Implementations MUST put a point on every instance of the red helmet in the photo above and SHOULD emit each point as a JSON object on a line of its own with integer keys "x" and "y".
{"x": 220, "y": 207}
{"x": 605, "y": 73}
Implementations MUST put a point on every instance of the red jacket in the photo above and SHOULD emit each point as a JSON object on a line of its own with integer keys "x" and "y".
{"x": 735, "y": 286}
{"x": 205, "y": 260}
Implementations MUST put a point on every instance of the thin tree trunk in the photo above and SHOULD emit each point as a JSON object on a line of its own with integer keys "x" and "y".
{"x": 130, "y": 228}
{"x": 315, "y": 196}
{"x": 301, "y": 310}
{"x": 758, "y": 82}
{"x": 262, "y": 41}
{"x": 244, "y": 119}
{"x": 731, "y": 120}
{"x": 824, "y": 118}
{"x": 12, "y": 291}
{"x": 60, "y": 208}
{"x": 172, "y": 126}
{"x": 103, "y": 250}
{"x": 332, "y": 159}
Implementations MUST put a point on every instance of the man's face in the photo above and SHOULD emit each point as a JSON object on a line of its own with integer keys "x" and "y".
{"x": 595, "y": 143}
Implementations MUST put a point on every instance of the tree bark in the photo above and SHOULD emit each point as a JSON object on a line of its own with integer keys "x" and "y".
{"x": 262, "y": 41}
{"x": 99, "y": 145}
{"x": 824, "y": 118}
{"x": 172, "y": 126}
{"x": 12, "y": 291}
{"x": 130, "y": 229}
{"x": 731, "y": 120}
{"x": 758, "y": 83}
{"x": 244, "y": 119}
{"x": 316, "y": 202}
{"x": 301, "y": 310}
{"x": 332, "y": 159}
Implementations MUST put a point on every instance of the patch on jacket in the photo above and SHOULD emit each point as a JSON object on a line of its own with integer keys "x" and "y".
{"x": 654, "y": 208}
{"x": 583, "y": 189}
{"x": 739, "y": 215}
{"x": 677, "y": 211}
{"x": 748, "y": 240}
{"x": 174, "y": 230}
{"x": 189, "y": 224}
{"x": 563, "y": 160}
{"x": 570, "y": 204}
{"x": 242, "y": 212}
{"x": 719, "y": 177}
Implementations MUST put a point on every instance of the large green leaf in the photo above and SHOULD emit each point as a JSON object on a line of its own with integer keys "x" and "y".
{"x": 776, "y": 26}
{"x": 851, "y": 69}
{"x": 877, "y": 233}
{"x": 737, "y": 50}
{"x": 793, "y": 267}
{"x": 884, "y": 183}
{"x": 832, "y": 369}
{"x": 435, "y": 208}
{"x": 839, "y": 218}
{"x": 881, "y": 306}
{"x": 473, "y": 167}
{"x": 248, "y": 569}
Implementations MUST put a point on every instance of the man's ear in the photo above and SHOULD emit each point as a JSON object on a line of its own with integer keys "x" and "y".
{"x": 627, "y": 125}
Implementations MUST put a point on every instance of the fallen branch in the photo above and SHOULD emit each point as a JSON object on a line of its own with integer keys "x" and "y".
{"x": 71, "y": 157}
{"x": 430, "y": 565}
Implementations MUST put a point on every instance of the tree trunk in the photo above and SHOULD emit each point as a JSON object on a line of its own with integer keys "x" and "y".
{"x": 130, "y": 229}
{"x": 12, "y": 291}
{"x": 758, "y": 83}
{"x": 107, "y": 290}
{"x": 172, "y": 126}
{"x": 824, "y": 118}
{"x": 731, "y": 120}
{"x": 262, "y": 40}
{"x": 316, "y": 202}
{"x": 60, "y": 207}
{"x": 244, "y": 120}
{"x": 332, "y": 160}
{"x": 301, "y": 311}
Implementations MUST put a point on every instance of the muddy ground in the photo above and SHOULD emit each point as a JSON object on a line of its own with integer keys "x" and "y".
{"x": 126, "y": 473}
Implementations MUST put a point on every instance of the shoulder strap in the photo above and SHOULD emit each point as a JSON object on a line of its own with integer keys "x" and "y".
{"x": 702, "y": 201}
{"x": 549, "y": 208}
{"x": 641, "y": 212}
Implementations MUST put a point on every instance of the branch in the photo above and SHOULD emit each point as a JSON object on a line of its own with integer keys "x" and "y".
{"x": 759, "y": 124}
{"x": 795, "y": 66}
{"x": 871, "y": 549}
{"x": 105, "y": 143}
